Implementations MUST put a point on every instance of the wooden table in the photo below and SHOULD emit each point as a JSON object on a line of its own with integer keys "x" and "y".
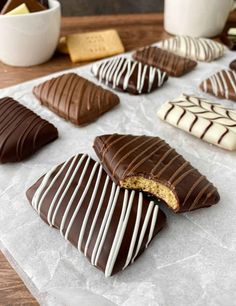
{"x": 136, "y": 31}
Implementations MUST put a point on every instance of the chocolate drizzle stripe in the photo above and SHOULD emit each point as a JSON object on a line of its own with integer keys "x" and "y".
{"x": 199, "y": 180}
{"x": 198, "y": 197}
{"x": 164, "y": 156}
{"x": 130, "y": 152}
{"x": 133, "y": 165}
{"x": 177, "y": 173}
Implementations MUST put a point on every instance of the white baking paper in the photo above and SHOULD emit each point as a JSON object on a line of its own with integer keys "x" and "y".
{"x": 191, "y": 262}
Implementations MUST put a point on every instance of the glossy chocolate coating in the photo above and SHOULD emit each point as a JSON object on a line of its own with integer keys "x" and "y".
{"x": 109, "y": 225}
{"x": 171, "y": 63}
{"x": 75, "y": 99}
{"x": 233, "y": 65}
{"x": 221, "y": 84}
{"x": 125, "y": 156}
{"x": 32, "y": 5}
{"x": 129, "y": 76}
{"x": 22, "y": 132}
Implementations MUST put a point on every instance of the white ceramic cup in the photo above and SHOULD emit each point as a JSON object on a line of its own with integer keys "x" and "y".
{"x": 197, "y": 18}
{"x": 30, "y": 39}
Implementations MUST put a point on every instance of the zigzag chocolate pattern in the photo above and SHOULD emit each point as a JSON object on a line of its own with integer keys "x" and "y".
{"x": 222, "y": 84}
{"x": 199, "y": 49}
{"x": 203, "y": 119}
{"x": 111, "y": 226}
{"x": 126, "y": 156}
{"x": 130, "y": 76}
{"x": 169, "y": 62}
{"x": 75, "y": 98}
{"x": 22, "y": 132}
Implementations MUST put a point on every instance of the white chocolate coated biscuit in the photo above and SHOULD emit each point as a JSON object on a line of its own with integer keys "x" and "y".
{"x": 203, "y": 119}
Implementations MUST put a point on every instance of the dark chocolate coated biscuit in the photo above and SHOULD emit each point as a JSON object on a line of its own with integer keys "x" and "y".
{"x": 109, "y": 225}
{"x": 151, "y": 165}
{"x": 129, "y": 76}
{"x": 171, "y": 63}
{"x": 22, "y": 132}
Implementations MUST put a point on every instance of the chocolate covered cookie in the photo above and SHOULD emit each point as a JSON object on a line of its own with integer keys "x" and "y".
{"x": 221, "y": 84}
{"x": 109, "y": 225}
{"x": 169, "y": 62}
{"x": 74, "y": 98}
{"x": 151, "y": 165}
{"x": 129, "y": 76}
{"x": 198, "y": 49}
{"x": 232, "y": 65}
{"x": 22, "y": 132}
{"x": 208, "y": 121}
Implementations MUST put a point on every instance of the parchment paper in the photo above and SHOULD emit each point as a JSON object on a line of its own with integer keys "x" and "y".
{"x": 191, "y": 262}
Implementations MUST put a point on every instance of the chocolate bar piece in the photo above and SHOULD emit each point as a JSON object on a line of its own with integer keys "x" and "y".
{"x": 198, "y": 49}
{"x": 233, "y": 65}
{"x": 75, "y": 99}
{"x": 203, "y": 119}
{"x": 22, "y": 132}
{"x": 129, "y": 76}
{"x": 109, "y": 225}
{"x": 151, "y": 165}
{"x": 32, "y": 5}
{"x": 171, "y": 63}
{"x": 221, "y": 84}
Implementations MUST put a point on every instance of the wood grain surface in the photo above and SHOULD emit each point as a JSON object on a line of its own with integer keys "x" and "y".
{"x": 136, "y": 31}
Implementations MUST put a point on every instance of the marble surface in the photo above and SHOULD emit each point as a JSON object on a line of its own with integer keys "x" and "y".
{"x": 192, "y": 261}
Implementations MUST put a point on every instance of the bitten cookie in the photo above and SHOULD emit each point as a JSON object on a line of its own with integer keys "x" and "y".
{"x": 151, "y": 165}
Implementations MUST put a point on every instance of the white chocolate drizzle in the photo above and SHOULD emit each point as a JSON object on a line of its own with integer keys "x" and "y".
{"x": 199, "y": 49}
{"x": 221, "y": 84}
{"x": 119, "y": 71}
{"x": 64, "y": 176}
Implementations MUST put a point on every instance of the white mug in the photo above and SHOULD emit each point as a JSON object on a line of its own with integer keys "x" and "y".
{"x": 197, "y": 18}
{"x": 30, "y": 39}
